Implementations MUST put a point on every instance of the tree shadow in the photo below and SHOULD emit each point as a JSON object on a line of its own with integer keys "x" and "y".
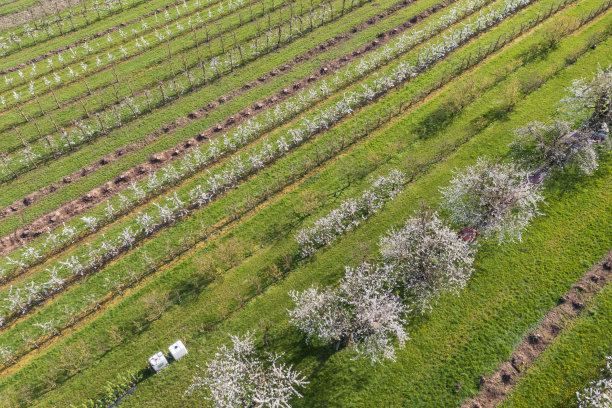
{"x": 434, "y": 123}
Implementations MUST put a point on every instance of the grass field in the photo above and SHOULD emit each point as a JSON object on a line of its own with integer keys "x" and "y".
{"x": 281, "y": 111}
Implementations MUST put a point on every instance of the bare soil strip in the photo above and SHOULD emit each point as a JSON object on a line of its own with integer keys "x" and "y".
{"x": 495, "y": 387}
{"x": 89, "y": 200}
{"x": 42, "y": 8}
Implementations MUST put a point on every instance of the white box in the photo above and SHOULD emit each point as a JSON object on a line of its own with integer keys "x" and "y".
{"x": 158, "y": 361}
{"x": 177, "y": 350}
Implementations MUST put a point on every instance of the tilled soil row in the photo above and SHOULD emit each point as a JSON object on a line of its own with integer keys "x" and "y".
{"x": 95, "y": 196}
{"x": 18, "y": 205}
{"x": 249, "y": 209}
{"x": 571, "y": 305}
{"x": 214, "y": 230}
{"x": 50, "y": 54}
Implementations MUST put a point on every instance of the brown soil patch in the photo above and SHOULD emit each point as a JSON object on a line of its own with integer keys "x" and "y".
{"x": 43, "y": 7}
{"x": 87, "y": 201}
{"x": 500, "y": 383}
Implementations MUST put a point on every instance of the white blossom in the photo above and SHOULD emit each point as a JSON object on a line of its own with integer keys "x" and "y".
{"x": 90, "y": 222}
{"x": 46, "y": 327}
{"x": 539, "y": 144}
{"x": 139, "y": 193}
{"x": 110, "y": 210}
{"x": 363, "y": 313}
{"x": 146, "y": 222}
{"x": 165, "y": 213}
{"x": 127, "y": 237}
{"x": 326, "y": 229}
{"x": 592, "y": 97}
{"x": 73, "y": 265}
{"x": 428, "y": 258}
{"x": 598, "y": 394}
{"x": 496, "y": 199}
{"x": 239, "y": 377}
{"x": 15, "y": 300}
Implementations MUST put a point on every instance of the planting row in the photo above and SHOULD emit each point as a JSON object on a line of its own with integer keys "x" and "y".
{"x": 170, "y": 22}
{"x": 288, "y": 109}
{"x": 59, "y": 23}
{"x": 310, "y": 126}
{"x": 129, "y": 107}
{"x": 85, "y": 98}
{"x": 110, "y": 51}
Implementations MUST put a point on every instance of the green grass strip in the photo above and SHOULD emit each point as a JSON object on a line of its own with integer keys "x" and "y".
{"x": 574, "y": 359}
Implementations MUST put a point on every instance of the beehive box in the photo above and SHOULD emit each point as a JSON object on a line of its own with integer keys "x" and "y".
{"x": 177, "y": 350}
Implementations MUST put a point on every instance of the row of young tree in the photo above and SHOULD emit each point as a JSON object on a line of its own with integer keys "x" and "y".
{"x": 350, "y": 213}
{"x": 121, "y": 244}
{"x": 115, "y": 113}
{"x": 114, "y": 46}
{"x": 251, "y": 129}
{"x": 422, "y": 260}
{"x": 133, "y": 105}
